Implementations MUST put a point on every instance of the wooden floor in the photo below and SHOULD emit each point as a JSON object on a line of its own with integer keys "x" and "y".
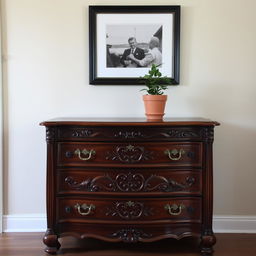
{"x": 29, "y": 244}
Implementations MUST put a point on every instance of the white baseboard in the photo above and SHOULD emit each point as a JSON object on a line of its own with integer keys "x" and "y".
{"x": 221, "y": 223}
{"x": 24, "y": 223}
{"x": 234, "y": 224}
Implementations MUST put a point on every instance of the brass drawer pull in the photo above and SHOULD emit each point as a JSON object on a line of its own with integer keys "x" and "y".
{"x": 174, "y": 209}
{"x": 85, "y": 152}
{"x": 174, "y": 154}
{"x": 86, "y": 208}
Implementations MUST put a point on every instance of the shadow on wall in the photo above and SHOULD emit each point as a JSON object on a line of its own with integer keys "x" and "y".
{"x": 5, "y": 104}
{"x": 234, "y": 170}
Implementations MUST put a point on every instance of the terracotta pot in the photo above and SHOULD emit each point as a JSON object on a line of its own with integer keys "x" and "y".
{"x": 154, "y": 106}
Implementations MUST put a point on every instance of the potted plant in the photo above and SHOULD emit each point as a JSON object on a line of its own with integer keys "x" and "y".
{"x": 154, "y": 101}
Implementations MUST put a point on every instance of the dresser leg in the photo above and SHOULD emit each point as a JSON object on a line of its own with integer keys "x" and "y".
{"x": 51, "y": 241}
{"x": 207, "y": 242}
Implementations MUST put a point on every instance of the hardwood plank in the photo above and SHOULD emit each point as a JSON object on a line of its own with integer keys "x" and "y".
{"x": 30, "y": 244}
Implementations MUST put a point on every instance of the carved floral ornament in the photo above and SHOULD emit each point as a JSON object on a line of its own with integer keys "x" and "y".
{"x": 129, "y": 210}
{"x": 50, "y": 133}
{"x": 131, "y": 182}
{"x": 130, "y": 154}
{"x": 135, "y": 134}
{"x": 131, "y": 235}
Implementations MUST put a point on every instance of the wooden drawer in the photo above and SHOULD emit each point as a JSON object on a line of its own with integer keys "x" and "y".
{"x": 93, "y": 209}
{"x": 146, "y": 181}
{"x": 134, "y": 133}
{"x": 119, "y": 154}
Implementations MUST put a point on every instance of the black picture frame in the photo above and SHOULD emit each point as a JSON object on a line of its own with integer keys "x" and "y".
{"x": 97, "y": 79}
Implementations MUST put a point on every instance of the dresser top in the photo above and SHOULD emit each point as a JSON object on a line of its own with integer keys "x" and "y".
{"x": 129, "y": 122}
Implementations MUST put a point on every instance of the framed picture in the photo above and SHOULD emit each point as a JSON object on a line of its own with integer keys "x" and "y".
{"x": 124, "y": 42}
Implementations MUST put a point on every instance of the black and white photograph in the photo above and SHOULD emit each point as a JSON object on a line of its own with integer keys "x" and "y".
{"x": 125, "y": 41}
{"x": 133, "y": 46}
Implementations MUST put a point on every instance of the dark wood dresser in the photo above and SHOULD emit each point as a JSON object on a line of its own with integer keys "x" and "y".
{"x": 129, "y": 180}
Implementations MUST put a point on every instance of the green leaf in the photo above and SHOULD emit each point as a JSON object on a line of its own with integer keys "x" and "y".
{"x": 154, "y": 81}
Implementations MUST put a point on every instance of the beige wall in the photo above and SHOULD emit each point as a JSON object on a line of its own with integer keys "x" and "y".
{"x": 47, "y": 71}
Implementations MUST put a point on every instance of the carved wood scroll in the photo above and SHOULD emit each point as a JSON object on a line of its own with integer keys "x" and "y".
{"x": 131, "y": 182}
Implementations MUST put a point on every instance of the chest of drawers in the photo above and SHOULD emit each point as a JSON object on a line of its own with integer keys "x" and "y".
{"x": 129, "y": 180}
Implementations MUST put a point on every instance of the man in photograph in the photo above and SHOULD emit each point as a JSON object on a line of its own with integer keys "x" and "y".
{"x": 154, "y": 56}
{"x": 137, "y": 52}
